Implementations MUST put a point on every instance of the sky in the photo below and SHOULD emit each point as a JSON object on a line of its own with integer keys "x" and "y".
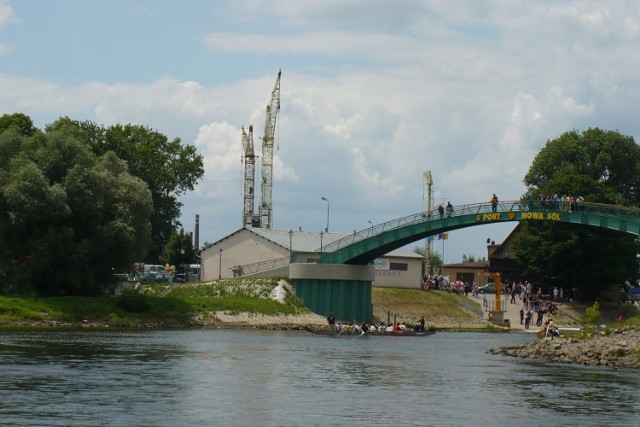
{"x": 373, "y": 94}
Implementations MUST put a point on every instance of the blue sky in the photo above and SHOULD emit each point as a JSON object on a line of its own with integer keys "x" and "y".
{"x": 373, "y": 93}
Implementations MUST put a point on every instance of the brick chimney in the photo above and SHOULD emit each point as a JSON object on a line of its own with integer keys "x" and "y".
{"x": 196, "y": 244}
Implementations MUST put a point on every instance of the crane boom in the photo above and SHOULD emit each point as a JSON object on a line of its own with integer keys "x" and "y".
{"x": 273, "y": 109}
{"x": 249, "y": 177}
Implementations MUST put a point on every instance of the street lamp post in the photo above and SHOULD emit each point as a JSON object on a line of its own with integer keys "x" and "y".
{"x": 370, "y": 223}
{"x": 220, "y": 266}
{"x": 326, "y": 230}
{"x": 290, "y": 241}
{"x": 321, "y": 234}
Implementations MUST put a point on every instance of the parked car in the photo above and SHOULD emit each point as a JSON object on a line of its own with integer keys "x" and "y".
{"x": 490, "y": 288}
{"x": 147, "y": 277}
{"x": 162, "y": 277}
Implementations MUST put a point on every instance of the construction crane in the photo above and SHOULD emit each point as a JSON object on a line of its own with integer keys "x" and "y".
{"x": 427, "y": 243}
{"x": 273, "y": 109}
{"x": 249, "y": 159}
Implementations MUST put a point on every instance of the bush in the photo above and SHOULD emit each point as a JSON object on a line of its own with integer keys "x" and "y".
{"x": 593, "y": 316}
{"x": 133, "y": 301}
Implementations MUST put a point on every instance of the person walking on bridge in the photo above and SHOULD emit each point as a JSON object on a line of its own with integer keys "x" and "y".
{"x": 494, "y": 203}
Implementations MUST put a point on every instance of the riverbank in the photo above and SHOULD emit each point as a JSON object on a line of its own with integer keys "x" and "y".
{"x": 618, "y": 348}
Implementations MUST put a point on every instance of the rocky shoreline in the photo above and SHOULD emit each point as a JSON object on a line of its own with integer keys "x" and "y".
{"x": 619, "y": 348}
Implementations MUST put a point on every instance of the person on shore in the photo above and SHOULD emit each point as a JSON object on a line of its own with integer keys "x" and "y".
{"x": 527, "y": 320}
{"x": 555, "y": 294}
{"x": 420, "y": 327}
{"x": 551, "y": 330}
{"x": 521, "y": 316}
{"x": 331, "y": 320}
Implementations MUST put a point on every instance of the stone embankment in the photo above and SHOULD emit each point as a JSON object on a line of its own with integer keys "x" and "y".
{"x": 620, "y": 348}
{"x": 225, "y": 320}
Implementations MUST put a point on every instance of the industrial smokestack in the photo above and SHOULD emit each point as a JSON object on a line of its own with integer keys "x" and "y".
{"x": 196, "y": 244}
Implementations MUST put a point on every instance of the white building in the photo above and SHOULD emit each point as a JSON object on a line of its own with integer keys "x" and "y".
{"x": 268, "y": 252}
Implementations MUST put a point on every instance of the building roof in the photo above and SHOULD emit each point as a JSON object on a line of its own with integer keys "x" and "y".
{"x": 476, "y": 264}
{"x": 309, "y": 241}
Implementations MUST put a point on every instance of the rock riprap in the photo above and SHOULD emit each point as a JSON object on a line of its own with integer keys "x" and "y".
{"x": 617, "y": 348}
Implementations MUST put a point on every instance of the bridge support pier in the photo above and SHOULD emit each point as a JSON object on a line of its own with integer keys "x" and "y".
{"x": 342, "y": 289}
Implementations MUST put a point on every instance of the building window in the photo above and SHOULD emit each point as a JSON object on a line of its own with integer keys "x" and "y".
{"x": 398, "y": 266}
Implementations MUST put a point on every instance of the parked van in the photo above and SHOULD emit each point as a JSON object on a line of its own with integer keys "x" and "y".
{"x": 154, "y": 268}
{"x": 194, "y": 273}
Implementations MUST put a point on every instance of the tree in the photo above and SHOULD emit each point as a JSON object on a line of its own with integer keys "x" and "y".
{"x": 436, "y": 259}
{"x": 468, "y": 258}
{"x": 179, "y": 250}
{"x": 68, "y": 218}
{"x": 21, "y": 122}
{"x": 169, "y": 168}
{"x": 603, "y": 167}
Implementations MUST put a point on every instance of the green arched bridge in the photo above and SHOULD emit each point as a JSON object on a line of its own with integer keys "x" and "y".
{"x": 371, "y": 243}
{"x": 341, "y": 279}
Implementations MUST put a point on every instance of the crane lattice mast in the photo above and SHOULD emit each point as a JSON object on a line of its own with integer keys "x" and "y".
{"x": 267, "y": 155}
{"x": 249, "y": 159}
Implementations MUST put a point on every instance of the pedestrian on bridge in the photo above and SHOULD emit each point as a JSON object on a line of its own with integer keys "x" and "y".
{"x": 494, "y": 203}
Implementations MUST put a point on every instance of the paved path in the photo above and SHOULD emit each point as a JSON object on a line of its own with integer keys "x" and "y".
{"x": 513, "y": 311}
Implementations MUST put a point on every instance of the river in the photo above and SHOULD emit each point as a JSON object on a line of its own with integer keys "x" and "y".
{"x": 292, "y": 378}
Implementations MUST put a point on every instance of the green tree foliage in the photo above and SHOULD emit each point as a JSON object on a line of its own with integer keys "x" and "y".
{"x": 603, "y": 167}
{"x": 179, "y": 250}
{"x": 468, "y": 258}
{"x": 436, "y": 259}
{"x": 592, "y": 316}
{"x": 67, "y": 216}
{"x": 169, "y": 168}
{"x": 20, "y": 121}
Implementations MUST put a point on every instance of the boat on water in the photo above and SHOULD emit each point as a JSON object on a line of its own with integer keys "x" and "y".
{"x": 405, "y": 334}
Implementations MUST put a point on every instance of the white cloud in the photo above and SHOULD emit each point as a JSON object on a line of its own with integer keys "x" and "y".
{"x": 6, "y": 12}
{"x": 467, "y": 90}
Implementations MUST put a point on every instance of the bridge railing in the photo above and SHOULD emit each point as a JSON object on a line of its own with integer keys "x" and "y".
{"x": 257, "y": 267}
{"x": 434, "y": 214}
{"x": 479, "y": 208}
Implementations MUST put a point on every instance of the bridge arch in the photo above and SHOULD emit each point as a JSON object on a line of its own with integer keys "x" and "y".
{"x": 341, "y": 279}
{"x": 363, "y": 247}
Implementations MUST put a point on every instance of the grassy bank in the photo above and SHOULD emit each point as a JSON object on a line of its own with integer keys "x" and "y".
{"x": 441, "y": 309}
{"x": 147, "y": 306}
{"x": 166, "y": 305}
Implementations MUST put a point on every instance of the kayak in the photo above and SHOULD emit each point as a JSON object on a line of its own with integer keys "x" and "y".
{"x": 374, "y": 334}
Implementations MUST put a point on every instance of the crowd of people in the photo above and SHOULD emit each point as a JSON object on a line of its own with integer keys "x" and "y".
{"x": 533, "y": 303}
{"x": 444, "y": 283}
{"x": 362, "y": 328}
{"x": 561, "y": 202}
